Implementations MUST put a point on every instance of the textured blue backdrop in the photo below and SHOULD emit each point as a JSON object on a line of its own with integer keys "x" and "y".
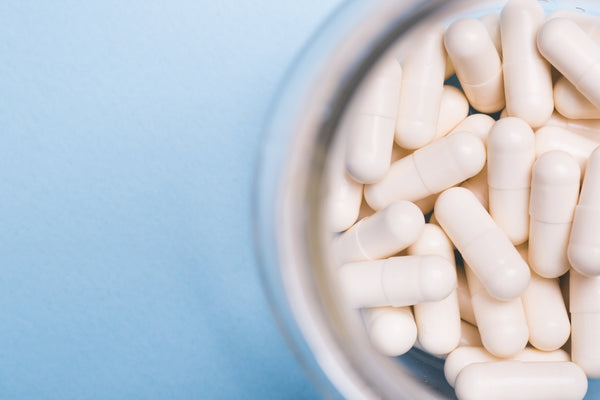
{"x": 129, "y": 132}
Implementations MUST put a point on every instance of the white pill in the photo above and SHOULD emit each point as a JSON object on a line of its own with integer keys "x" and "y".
{"x": 392, "y": 330}
{"x": 464, "y": 297}
{"x": 546, "y": 313}
{"x": 373, "y": 122}
{"x": 584, "y": 243}
{"x": 551, "y": 138}
{"x": 381, "y": 235}
{"x": 518, "y": 380}
{"x": 511, "y": 153}
{"x": 502, "y": 324}
{"x": 483, "y": 245}
{"x": 492, "y": 25}
{"x": 438, "y": 322}
{"x": 454, "y": 108}
{"x": 527, "y": 77}
{"x": 477, "y": 64}
{"x": 589, "y": 23}
{"x": 574, "y": 54}
{"x": 587, "y": 128}
{"x": 429, "y": 170}
{"x": 342, "y": 194}
{"x": 478, "y": 185}
{"x": 584, "y": 305}
{"x": 397, "y": 281}
{"x": 571, "y": 103}
{"x": 478, "y": 124}
{"x": 469, "y": 335}
{"x": 467, "y": 355}
{"x": 554, "y": 193}
{"x": 421, "y": 91}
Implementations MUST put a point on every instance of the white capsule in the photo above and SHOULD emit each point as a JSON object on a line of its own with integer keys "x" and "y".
{"x": 477, "y": 64}
{"x": 584, "y": 305}
{"x": 392, "y": 330}
{"x": 342, "y": 195}
{"x": 546, "y": 313}
{"x": 438, "y": 322}
{"x": 483, "y": 245}
{"x": 454, "y": 108}
{"x": 587, "y": 128}
{"x": 373, "y": 122}
{"x": 464, "y": 297}
{"x": 550, "y": 138}
{"x": 517, "y": 380}
{"x": 467, "y": 355}
{"x": 502, "y": 324}
{"x": 574, "y": 54}
{"x": 554, "y": 193}
{"x": 571, "y": 103}
{"x": 511, "y": 153}
{"x": 421, "y": 91}
{"x": 397, "y": 281}
{"x": 584, "y": 244}
{"x": 527, "y": 77}
{"x": 478, "y": 124}
{"x": 478, "y": 185}
{"x": 492, "y": 25}
{"x": 429, "y": 170}
{"x": 469, "y": 335}
{"x": 381, "y": 235}
{"x": 590, "y": 24}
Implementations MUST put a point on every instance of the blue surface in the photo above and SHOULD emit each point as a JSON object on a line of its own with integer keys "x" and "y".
{"x": 129, "y": 132}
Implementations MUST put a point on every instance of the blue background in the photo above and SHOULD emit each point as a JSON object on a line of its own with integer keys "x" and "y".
{"x": 129, "y": 133}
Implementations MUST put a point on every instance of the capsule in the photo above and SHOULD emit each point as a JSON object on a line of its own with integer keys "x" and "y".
{"x": 527, "y": 77}
{"x": 454, "y": 108}
{"x": 518, "y": 380}
{"x": 478, "y": 124}
{"x": 571, "y": 103}
{"x": 550, "y": 138}
{"x": 373, "y": 122}
{"x": 438, "y": 322}
{"x": 429, "y": 170}
{"x": 502, "y": 324}
{"x": 397, "y": 281}
{"x": 464, "y": 297}
{"x": 590, "y": 24}
{"x": 421, "y": 91}
{"x": 467, "y": 355}
{"x": 342, "y": 194}
{"x": 554, "y": 193}
{"x": 483, "y": 245}
{"x": 392, "y": 330}
{"x": 587, "y": 128}
{"x": 381, "y": 235}
{"x": 492, "y": 25}
{"x": 574, "y": 54}
{"x": 584, "y": 244}
{"x": 469, "y": 335}
{"x": 477, "y": 64}
{"x": 511, "y": 153}
{"x": 584, "y": 304}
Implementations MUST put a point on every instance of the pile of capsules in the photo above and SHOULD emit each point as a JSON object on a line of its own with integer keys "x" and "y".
{"x": 503, "y": 281}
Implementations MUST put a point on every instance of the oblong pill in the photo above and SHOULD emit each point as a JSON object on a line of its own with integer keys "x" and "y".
{"x": 397, "y": 281}
{"x": 584, "y": 244}
{"x": 527, "y": 77}
{"x": 574, "y": 54}
{"x": 381, "y": 235}
{"x": 477, "y": 64}
{"x": 483, "y": 245}
{"x": 429, "y": 170}
{"x": 464, "y": 296}
{"x": 554, "y": 194}
{"x": 373, "y": 123}
{"x": 438, "y": 322}
{"x": 511, "y": 154}
{"x": 392, "y": 330}
{"x": 478, "y": 124}
{"x": 549, "y": 138}
{"x": 570, "y": 103}
{"x": 584, "y": 304}
{"x": 518, "y": 380}
{"x": 454, "y": 108}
